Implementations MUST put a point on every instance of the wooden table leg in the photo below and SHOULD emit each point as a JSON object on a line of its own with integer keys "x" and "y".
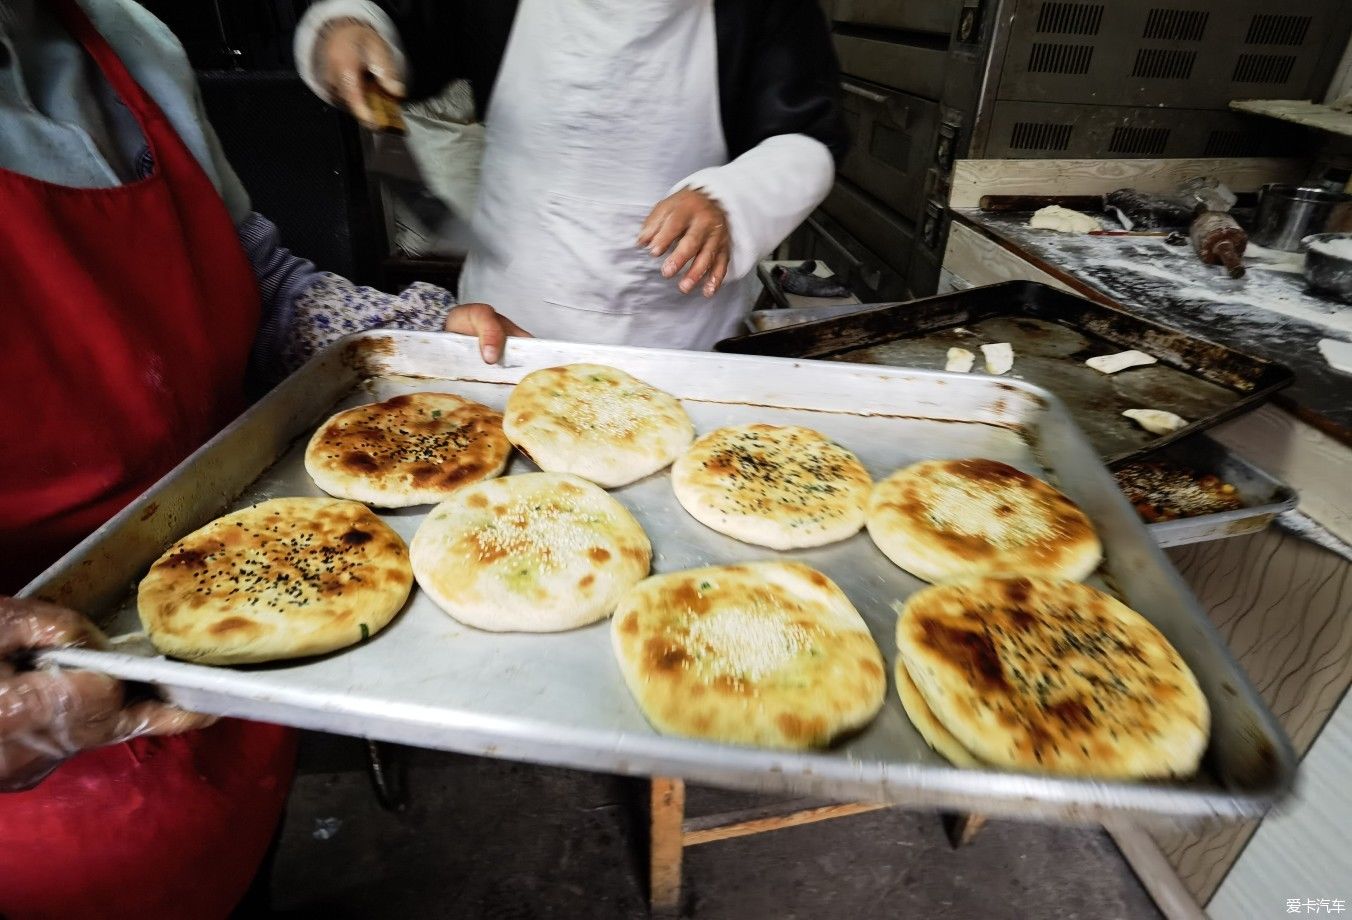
{"x": 962, "y": 827}
{"x": 666, "y": 816}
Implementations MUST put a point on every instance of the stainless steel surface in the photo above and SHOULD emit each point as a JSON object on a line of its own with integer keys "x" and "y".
{"x": 560, "y": 699}
{"x": 1263, "y": 495}
{"x": 1326, "y": 272}
{"x": 1286, "y": 215}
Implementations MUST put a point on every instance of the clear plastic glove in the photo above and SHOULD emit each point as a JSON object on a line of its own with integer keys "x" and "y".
{"x": 48, "y": 715}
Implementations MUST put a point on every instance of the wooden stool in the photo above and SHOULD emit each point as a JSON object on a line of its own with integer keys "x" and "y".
{"x": 670, "y": 832}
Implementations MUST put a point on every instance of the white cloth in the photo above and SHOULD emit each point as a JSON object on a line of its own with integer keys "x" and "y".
{"x": 601, "y": 109}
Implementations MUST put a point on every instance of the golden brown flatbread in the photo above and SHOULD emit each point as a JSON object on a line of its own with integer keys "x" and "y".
{"x": 1053, "y": 676}
{"x": 414, "y": 449}
{"x": 948, "y": 519}
{"x": 281, "y": 579}
{"x": 768, "y": 653}
{"x": 784, "y": 487}
{"x": 596, "y": 422}
{"x": 541, "y": 552}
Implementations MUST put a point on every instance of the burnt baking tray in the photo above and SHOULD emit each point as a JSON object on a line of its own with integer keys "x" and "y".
{"x": 1052, "y": 333}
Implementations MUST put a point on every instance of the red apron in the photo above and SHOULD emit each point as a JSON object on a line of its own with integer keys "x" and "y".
{"x": 126, "y": 317}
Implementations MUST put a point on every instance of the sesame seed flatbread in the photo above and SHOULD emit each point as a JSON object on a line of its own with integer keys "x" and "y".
{"x": 596, "y": 422}
{"x": 948, "y": 519}
{"x": 1053, "y": 676}
{"x": 783, "y": 487}
{"x": 410, "y": 450}
{"x": 541, "y": 552}
{"x": 929, "y": 727}
{"x": 282, "y": 579}
{"x": 769, "y": 653}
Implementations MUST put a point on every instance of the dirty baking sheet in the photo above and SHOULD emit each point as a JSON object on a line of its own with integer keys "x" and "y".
{"x": 560, "y": 699}
{"x": 1052, "y": 333}
{"x": 1261, "y": 496}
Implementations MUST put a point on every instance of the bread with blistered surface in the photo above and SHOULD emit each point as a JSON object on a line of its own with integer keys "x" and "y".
{"x": 771, "y": 654}
{"x": 541, "y": 552}
{"x": 414, "y": 449}
{"x": 284, "y": 578}
{"x": 1053, "y": 676}
{"x": 596, "y": 422}
{"x": 929, "y": 727}
{"x": 784, "y": 487}
{"x": 947, "y": 519}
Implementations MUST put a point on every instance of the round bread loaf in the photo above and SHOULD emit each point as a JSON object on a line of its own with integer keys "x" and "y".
{"x": 410, "y": 450}
{"x": 769, "y": 653}
{"x": 1053, "y": 676}
{"x": 948, "y": 519}
{"x": 282, "y": 579}
{"x": 783, "y": 487}
{"x": 930, "y": 728}
{"x": 542, "y": 552}
{"x": 596, "y": 422}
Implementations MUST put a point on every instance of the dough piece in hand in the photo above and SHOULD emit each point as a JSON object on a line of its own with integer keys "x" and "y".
{"x": 1053, "y": 676}
{"x": 999, "y": 357}
{"x": 542, "y": 552}
{"x": 285, "y": 578}
{"x": 960, "y": 360}
{"x": 596, "y": 422}
{"x": 1111, "y": 364}
{"x": 930, "y": 728}
{"x": 1063, "y": 220}
{"x": 410, "y": 450}
{"x": 947, "y": 519}
{"x": 768, "y": 653}
{"x": 781, "y": 487}
{"x": 1156, "y": 421}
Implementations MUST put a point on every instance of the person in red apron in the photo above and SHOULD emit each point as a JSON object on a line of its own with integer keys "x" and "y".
{"x": 128, "y": 315}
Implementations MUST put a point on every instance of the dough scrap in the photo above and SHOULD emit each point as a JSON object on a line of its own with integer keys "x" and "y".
{"x": 1156, "y": 421}
{"x": 999, "y": 357}
{"x": 1063, "y": 220}
{"x": 1111, "y": 364}
{"x": 960, "y": 360}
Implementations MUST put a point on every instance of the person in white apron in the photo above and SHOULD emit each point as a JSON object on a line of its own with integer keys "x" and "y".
{"x": 640, "y": 156}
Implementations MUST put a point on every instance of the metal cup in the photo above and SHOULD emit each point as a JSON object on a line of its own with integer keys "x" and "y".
{"x": 1287, "y": 214}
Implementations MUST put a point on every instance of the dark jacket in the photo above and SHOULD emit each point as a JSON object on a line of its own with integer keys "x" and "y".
{"x": 777, "y": 71}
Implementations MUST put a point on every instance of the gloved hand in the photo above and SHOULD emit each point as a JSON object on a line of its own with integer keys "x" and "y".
{"x": 48, "y": 715}
{"x": 349, "y": 54}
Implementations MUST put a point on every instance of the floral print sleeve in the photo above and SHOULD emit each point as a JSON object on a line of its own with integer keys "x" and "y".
{"x": 332, "y": 307}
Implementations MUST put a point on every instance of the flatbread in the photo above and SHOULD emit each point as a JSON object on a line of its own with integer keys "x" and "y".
{"x": 285, "y": 578}
{"x": 769, "y": 654}
{"x": 1053, "y": 676}
{"x": 410, "y": 450}
{"x": 930, "y": 728}
{"x": 541, "y": 552}
{"x": 781, "y": 487}
{"x": 947, "y": 519}
{"x": 596, "y": 422}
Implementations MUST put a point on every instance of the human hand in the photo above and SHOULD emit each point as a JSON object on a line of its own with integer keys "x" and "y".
{"x": 698, "y": 228}
{"x": 349, "y": 54}
{"x": 485, "y": 323}
{"x": 48, "y": 715}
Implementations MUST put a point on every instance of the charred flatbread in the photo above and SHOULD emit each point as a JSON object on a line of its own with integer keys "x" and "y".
{"x": 282, "y": 579}
{"x": 1053, "y": 676}
{"x": 770, "y": 654}
{"x": 414, "y": 449}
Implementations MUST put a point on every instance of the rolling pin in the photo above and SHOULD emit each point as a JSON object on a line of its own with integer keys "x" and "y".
{"x": 1219, "y": 240}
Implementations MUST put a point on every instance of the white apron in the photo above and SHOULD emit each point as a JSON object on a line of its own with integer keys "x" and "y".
{"x": 601, "y": 106}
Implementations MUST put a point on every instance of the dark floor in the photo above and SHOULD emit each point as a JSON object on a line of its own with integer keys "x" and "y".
{"x": 492, "y": 840}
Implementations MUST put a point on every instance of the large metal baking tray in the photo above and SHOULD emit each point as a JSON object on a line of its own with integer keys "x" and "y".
{"x": 1052, "y": 333}
{"x": 560, "y": 699}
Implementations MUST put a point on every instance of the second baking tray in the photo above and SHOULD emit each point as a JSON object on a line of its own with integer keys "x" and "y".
{"x": 1052, "y": 333}
{"x": 560, "y": 699}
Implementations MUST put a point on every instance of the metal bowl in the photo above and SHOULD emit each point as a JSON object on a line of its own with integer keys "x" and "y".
{"x": 1325, "y": 271}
